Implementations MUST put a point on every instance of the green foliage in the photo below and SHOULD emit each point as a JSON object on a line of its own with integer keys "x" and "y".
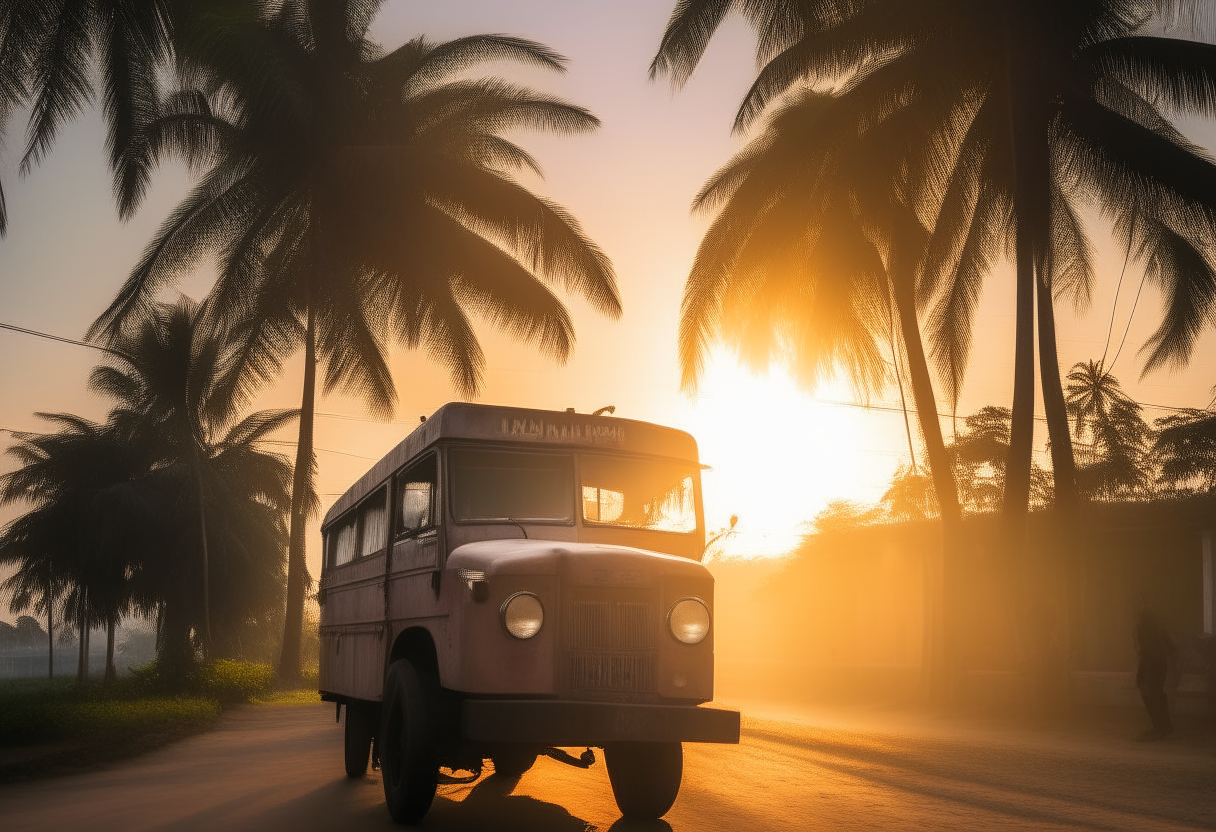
{"x": 234, "y": 681}
{"x": 43, "y": 711}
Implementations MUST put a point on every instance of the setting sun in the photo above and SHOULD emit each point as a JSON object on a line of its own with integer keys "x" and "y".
{"x": 778, "y": 455}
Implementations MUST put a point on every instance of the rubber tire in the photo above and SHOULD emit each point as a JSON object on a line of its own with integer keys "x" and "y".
{"x": 645, "y": 777}
{"x": 360, "y": 728}
{"x": 513, "y": 760}
{"x": 409, "y": 762}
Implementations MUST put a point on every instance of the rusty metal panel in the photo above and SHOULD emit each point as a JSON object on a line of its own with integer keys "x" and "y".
{"x": 354, "y": 661}
{"x": 352, "y": 629}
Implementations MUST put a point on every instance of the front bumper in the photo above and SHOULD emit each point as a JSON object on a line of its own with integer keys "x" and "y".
{"x": 548, "y": 722}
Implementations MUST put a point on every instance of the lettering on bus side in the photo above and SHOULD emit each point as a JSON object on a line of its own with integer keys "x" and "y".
{"x": 562, "y": 431}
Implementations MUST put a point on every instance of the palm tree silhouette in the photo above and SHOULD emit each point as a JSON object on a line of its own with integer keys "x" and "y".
{"x": 355, "y": 198}
{"x": 171, "y": 381}
{"x": 1184, "y": 449}
{"x": 1016, "y": 113}
{"x": 84, "y": 531}
{"x": 50, "y": 52}
{"x": 814, "y": 255}
{"x": 1116, "y": 434}
{"x": 115, "y": 520}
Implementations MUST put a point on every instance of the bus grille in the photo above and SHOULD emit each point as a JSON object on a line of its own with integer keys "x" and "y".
{"x": 613, "y": 625}
{"x": 613, "y": 646}
{"x": 612, "y": 671}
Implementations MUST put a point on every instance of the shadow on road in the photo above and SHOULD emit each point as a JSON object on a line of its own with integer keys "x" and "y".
{"x": 491, "y": 805}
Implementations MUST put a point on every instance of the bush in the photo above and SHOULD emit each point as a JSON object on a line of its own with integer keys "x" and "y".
{"x": 33, "y": 712}
{"x": 234, "y": 681}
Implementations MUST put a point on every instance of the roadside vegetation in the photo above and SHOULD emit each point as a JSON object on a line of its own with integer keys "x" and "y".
{"x": 57, "y": 726}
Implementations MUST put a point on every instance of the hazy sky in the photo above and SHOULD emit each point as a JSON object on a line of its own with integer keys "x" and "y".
{"x": 778, "y": 455}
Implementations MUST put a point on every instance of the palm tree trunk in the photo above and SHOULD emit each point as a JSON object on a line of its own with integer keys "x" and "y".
{"x": 899, "y": 380}
{"x": 1064, "y": 475}
{"x": 50, "y": 637}
{"x": 82, "y": 657}
{"x": 202, "y": 536}
{"x": 941, "y": 656}
{"x": 1022, "y": 138}
{"x": 1021, "y": 430}
{"x": 289, "y": 663}
{"x": 111, "y": 673}
{"x": 1063, "y": 466}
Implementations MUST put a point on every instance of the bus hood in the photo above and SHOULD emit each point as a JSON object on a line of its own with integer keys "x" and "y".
{"x": 586, "y": 563}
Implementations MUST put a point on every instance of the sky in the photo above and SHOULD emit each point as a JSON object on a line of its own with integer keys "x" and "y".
{"x": 778, "y": 454}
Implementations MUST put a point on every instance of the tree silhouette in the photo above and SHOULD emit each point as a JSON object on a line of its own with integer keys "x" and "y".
{"x": 87, "y": 526}
{"x": 1184, "y": 448}
{"x": 218, "y": 567}
{"x": 980, "y": 453}
{"x": 1018, "y": 113}
{"x": 353, "y": 198}
{"x": 50, "y": 52}
{"x": 1115, "y": 434}
{"x": 910, "y": 496}
{"x": 813, "y": 257}
{"x": 114, "y": 519}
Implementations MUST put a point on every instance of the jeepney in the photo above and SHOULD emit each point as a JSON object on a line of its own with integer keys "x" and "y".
{"x": 507, "y": 583}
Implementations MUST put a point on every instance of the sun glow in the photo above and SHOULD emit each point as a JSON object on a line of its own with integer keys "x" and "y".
{"x": 777, "y": 455}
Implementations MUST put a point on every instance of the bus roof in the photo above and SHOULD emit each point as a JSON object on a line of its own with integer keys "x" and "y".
{"x": 494, "y": 423}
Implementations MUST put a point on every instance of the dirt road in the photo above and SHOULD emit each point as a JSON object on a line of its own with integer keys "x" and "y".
{"x": 280, "y": 767}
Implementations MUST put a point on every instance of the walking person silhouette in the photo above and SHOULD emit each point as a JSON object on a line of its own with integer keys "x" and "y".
{"x": 1156, "y": 652}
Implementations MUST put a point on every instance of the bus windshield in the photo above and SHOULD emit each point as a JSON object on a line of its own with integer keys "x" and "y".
{"x": 489, "y": 485}
{"x": 612, "y": 490}
{"x": 637, "y": 494}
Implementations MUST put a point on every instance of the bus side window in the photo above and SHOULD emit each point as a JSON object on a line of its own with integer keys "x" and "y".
{"x": 416, "y": 498}
{"x": 342, "y": 542}
{"x": 372, "y": 515}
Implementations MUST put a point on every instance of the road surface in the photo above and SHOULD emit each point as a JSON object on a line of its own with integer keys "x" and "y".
{"x": 267, "y": 768}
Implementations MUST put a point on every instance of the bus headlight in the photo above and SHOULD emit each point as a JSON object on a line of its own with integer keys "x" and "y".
{"x": 688, "y": 620}
{"x": 523, "y": 615}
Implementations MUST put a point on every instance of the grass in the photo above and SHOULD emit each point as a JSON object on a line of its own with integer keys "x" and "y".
{"x": 57, "y": 726}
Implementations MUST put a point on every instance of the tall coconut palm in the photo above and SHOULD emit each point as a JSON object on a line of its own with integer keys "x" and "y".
{"x": 52, "y": 50}
{"x": 1024, "y": 111}
{"x": 356, "y": 198}
{"x": 221, "y": 563}
{"x": 814, "y": 254}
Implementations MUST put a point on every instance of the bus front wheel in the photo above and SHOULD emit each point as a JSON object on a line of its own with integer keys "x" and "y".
{"x": 409, "y": 760}
{"x": 645, "y": 776}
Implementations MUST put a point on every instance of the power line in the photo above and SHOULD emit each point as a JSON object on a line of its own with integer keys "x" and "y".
{"x": 315, "y": 448}
{"x": 50, "y": 337}
{"x": 355, "y": 418}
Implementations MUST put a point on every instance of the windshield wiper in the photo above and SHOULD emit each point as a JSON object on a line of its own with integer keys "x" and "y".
{"x": 516, "y": 522}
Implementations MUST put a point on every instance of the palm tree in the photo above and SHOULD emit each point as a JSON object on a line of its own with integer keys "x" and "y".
{"x": 50, "y": 52}
{"x": 87, "y": 525}
{"x": 1017, "y": 113}
{"x": 1184, "y": 448}
{"x": 1117, "y": 435}
{"x": 910, "y": 496}
{"x": 171, "y": 382}
{"x": 354, "y": 198}
{"x": 980, "y": 452}
{"x": 814, "y": 255}
{"x": 36, "y": 586}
